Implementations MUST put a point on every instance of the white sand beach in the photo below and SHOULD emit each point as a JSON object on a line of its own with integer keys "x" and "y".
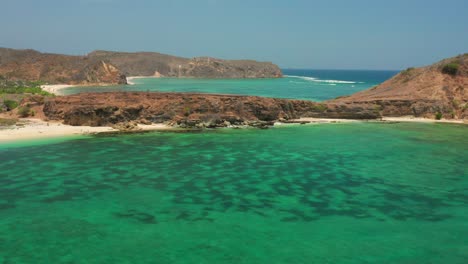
{"x": 131, "y": 78}
{"x": 423, "y": 120}
{"x": 55, "y": 88}
{"x": 30, "y": 128}
{"x": 33, "y": 128}
{"x": 323, "y": 120}
{"x": 383, "y": 119}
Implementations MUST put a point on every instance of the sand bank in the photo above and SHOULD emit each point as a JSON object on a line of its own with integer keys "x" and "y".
{"x": 36, "y": 128}
{"x": 29, "y": 128}
{"x": 423, "y": 120}
{"x": 58, "y": 88}
{"x": 383, "y": 119}
{"x": 131, "y": 78}
{"x": 55, "y": 88}
{"x": 322, "y": 120}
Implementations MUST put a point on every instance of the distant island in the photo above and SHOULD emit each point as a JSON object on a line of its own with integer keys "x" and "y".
{"x": 107, "y": 67}
{"x": 435, "y": 92}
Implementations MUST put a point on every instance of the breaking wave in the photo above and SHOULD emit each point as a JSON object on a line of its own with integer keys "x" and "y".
{"x": 312, "y": 79}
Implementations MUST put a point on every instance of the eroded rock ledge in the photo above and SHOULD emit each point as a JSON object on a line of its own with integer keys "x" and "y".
{"x": 188, "y": 110}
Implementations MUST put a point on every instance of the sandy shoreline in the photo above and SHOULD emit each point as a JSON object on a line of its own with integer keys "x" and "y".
{"x": 37, "y": 129}
{"x": 131, "y": 78}
{"x": 409, "y": 119}
{"x": 422, "y": 120}
{"x": 55, "y": 88}
{"x": 30, "y": 128}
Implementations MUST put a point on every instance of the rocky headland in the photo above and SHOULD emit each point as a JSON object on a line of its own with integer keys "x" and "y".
{"x": 162, "y": 65}
{"x": 181, "y": 109}
{"x": 436, "y": 91}
{"x": 108, "y": 68}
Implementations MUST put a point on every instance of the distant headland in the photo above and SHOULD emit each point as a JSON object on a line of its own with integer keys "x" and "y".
{"x": 107, "y": 67}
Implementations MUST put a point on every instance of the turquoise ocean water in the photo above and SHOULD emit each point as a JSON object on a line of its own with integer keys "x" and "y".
{"x": 316, "y": 85}
{"x": 324, "y": 193}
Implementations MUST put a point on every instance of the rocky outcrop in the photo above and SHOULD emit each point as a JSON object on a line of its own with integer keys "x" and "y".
{"x": 151, "y": 64}
{"x": 31, "y": 65}
{"x": 185, "y": 110}
{"x": 105, "y": 67}
{"x": 102, "y": 72}
{"x": 437, "y": 90}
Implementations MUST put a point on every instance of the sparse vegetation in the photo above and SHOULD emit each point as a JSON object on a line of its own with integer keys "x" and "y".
{"x": 408, "y": 71}
{"x": 320, "y": 107}
{"x": 438, "y": 116}
{"x": 377, "y": 108}
{"x": 10, "y": 104}
{"x": 344, "y": 96}
{"x": 7, "y": 122}
{"x": 25, "y": 111}
{"x": 21, "y": 87}
{"x": 451, "y": 69}
{"x": 187, "y": 111}
{"x": 407, "y": 74}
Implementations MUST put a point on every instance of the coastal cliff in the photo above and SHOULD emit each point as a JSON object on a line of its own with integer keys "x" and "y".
{"x": 156, "y": 64}
{"x": 182, "y": 109}
{"x": 105, "y": 67}
{"x": 436, "y": 91}
{"x": 31, "y": 65}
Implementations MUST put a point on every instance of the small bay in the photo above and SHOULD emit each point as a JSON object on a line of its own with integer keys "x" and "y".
{"x": 315, "y": 85}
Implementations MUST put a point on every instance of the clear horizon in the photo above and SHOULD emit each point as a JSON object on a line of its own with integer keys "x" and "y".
{"x": 362, "y": 35}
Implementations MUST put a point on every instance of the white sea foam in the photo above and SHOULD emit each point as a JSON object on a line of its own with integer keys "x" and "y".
{"x": 335, "y": 81}
{"x": 312, "y": 79}
{"x": 302, "y": 77}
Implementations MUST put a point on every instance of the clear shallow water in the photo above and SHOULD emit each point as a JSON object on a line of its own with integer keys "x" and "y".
{"x": 316, "y": 85}
{"x": 329, "y": 193}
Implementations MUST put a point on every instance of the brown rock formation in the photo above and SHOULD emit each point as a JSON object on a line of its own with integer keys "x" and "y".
{"x": 31, "y": 65}
{"x": 151, "y": 63}
{"x": 190, "y": 110}
{"x": 104, "y": 67}
{"x": 423, "y": 92}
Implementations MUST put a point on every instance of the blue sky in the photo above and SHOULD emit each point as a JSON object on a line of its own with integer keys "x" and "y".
{"x": 322, "y": 34}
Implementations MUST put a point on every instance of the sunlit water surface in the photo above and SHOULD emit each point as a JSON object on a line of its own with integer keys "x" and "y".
{"x": 328, "y": 193}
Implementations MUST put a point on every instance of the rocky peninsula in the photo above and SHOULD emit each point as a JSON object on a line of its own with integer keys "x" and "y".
{"x": 183, "y": 109}
{"x": 432, "y": 93}
{"x": 436, "y": 91}
{"x": 109, "y": 68}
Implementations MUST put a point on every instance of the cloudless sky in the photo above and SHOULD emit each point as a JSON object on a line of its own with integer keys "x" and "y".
{"x": 322, "y": 34}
